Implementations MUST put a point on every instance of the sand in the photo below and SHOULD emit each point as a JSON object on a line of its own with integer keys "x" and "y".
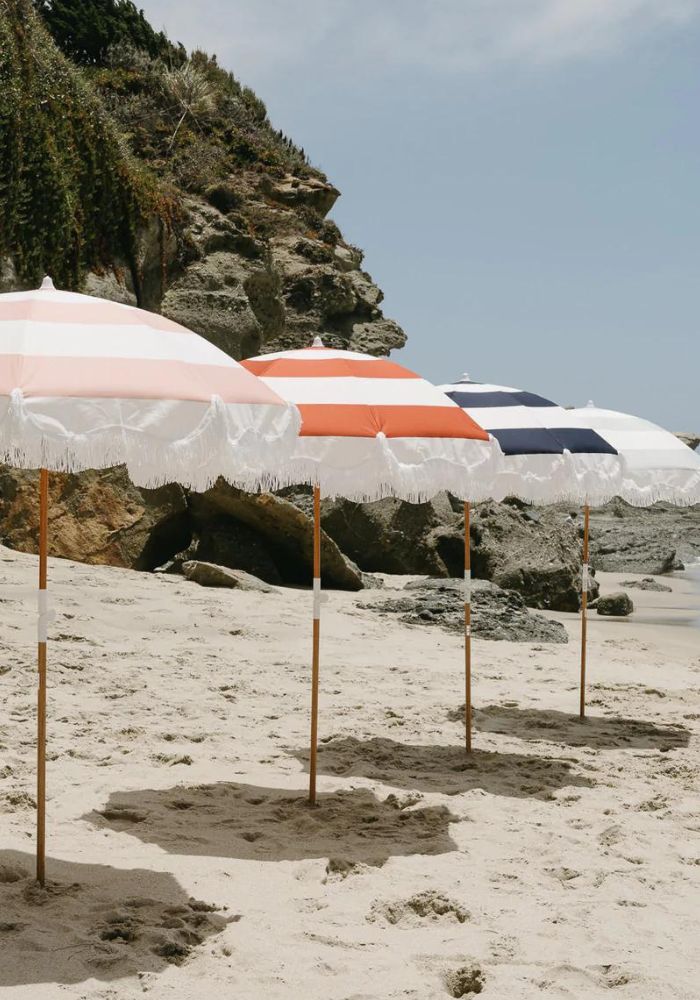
{"x": 560, "y": 860}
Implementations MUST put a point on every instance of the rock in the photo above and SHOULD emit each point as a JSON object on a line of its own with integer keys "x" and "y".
{"x": 647, "y": 583}
{"x": 538, "y": 557}
{"x": 496, "y": 613}
{"x": 652, "y": 540}
{"x": 282, "y": 527}
{"x": 95, "y": 517}
{"x": 692, "y": 440}
{"x": 617, "y": 605}
{"x": 210, "y": 575}
{"x": 294, "y": 192}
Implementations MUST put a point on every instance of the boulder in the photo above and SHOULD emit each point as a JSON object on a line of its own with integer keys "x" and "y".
{"x": 496, "y": 613}
{"x": 95, "y": 517}
{"x": 617, "y": 605}
{"x": 282, "y": 529}
{"x": 536, "y": 553}
{"x": 210, "y": 575}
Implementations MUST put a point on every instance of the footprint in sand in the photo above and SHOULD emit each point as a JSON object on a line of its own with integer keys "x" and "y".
{"x": 424, "y": 906}
{"x": 467, "y": 981}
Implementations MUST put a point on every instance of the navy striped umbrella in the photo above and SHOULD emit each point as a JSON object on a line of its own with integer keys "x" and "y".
{"x": 550, "y": 456}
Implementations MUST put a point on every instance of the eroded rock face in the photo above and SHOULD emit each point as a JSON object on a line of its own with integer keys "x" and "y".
{"x": 283, "y": 530}
{"x": 534, "y": 552}
{"x": 652, "y": 540}
{"x": 261, "y": 270}
{"x": 96, "y": 517}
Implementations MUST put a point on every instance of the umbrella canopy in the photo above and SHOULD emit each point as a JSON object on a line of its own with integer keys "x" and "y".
{"x": 656, "y": 464}
{"x": 87, "y": 383}
{"x": 371, "y": 428}
{"x": 549, "y": 456}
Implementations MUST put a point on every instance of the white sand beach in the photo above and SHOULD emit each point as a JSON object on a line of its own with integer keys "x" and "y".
{"x": 559, "y": 860}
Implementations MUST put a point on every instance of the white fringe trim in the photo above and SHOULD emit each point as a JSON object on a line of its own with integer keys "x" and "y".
{"x": 244, "y": 443}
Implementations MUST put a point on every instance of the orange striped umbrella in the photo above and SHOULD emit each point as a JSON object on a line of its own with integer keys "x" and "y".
{"x": 370, "y": 429}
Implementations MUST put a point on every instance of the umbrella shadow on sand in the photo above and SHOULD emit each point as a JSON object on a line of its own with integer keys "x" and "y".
{"x": 94, "y": 922}
{"x": 446, "y": 769}
{"x": 269, "y": 824}
{"x": 597, "y": 732}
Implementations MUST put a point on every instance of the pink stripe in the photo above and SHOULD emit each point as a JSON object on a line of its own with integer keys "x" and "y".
{"x": 130, "y": 378}
{"x": 92, "y": 313}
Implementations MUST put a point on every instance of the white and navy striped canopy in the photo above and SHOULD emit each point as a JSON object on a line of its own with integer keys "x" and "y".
{"x": 548, "y": 456}
{"x": 657, "y": 465}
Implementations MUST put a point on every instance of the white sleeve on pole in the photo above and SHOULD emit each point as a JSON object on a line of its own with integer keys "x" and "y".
{"x": 317, "y": 598}
{"x": 46, "y": 614}
{"x": 467, "y": 586}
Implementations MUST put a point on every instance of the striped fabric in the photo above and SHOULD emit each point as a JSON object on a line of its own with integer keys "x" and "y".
{"x": 371, "y": 428}
{"x": 548, "y": 456}
{"x": 656, "y": 464}
{"x": 86, "y": 383}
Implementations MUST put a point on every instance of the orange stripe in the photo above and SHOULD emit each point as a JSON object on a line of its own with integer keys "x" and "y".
{"x": 130, "y": 378}
{"x": 90, "y": 313}
{"x": 350, "y": 420}
{"x": 327, "y": 368}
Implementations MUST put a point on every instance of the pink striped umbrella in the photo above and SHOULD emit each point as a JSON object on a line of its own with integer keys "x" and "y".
{"x": 86, "y": 383}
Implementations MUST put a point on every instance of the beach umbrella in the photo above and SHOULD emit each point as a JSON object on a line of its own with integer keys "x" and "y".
{"x": 371, "y": 429}
{"x": 86, "y": 383}
{"x": 549, "y": 457}
{"x": 656, "y": 466}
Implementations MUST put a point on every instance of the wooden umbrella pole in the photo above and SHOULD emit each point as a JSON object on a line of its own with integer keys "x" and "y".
{"x": 584, "y": 606}
{"x": 467, "y": 632}
{"x": 41, "y": 690}
{"x": 316, "y": 641}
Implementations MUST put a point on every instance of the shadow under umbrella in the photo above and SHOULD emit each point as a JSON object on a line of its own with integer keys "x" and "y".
{"x": 94, "y": 922}
{"x": 445, "y": 769}
{"x": 561, "y": 727}
{"x": 248, "y": 822}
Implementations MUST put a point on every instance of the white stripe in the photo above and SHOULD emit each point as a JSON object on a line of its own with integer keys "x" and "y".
{"x": 477, "y": 387}
{"x": 317, "y": 599}
{"x": 108, "y": 341}
{"x": 494, "y": 418}
{"x": 584, "y": 576}
{"x": 45, "y": 615}
{"x": 467, "y": 586}
{"x": 356, "y": 390}
{"x": 316, "y": 354}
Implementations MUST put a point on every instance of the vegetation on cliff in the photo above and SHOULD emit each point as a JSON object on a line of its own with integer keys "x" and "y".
{"x": 71, "y": 194}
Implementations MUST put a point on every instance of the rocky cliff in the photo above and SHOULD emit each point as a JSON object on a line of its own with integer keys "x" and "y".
{"x": 135, "y": 171}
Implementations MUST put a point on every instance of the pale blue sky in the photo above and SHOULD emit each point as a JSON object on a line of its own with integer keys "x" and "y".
{"x": 522, "y": 175}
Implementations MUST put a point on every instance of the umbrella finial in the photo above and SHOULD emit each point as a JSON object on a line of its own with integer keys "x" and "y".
{"x": 318, "y": 342}
{"x": 465, "y": 377}
{"x": 590, "y": 404}
{"x": 47, "y": 285}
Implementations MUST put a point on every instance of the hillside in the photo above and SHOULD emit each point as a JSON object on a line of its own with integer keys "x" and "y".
{"x": 132, "y": 169}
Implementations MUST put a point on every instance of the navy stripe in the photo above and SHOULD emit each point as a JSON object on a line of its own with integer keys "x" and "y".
{"x": 476, "y": 400}
{"x": 582, "y": 440}
{"x": 528, "y": 441}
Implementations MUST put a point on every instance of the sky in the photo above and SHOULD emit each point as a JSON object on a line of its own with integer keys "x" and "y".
{"x": 521, "y": 174}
